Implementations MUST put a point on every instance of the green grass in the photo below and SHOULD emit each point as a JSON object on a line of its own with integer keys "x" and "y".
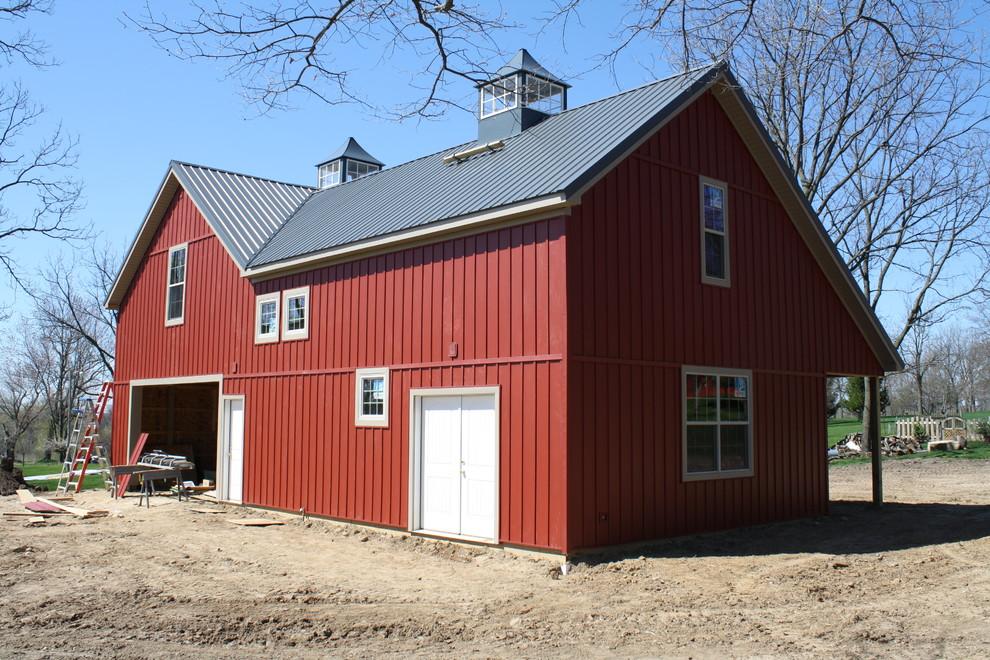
{"x": 973, "y": 451}
{"x": 93, "y": 478}
{"x": 41, "y": 467}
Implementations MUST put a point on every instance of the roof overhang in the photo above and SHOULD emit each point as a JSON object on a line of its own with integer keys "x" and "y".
{"x": 167, "y": 189}
{"x": 525, "y": 211}
{"x": 741, "y": 113}
{"x": 746, "y": 122}
{"x": 152, "y": 220}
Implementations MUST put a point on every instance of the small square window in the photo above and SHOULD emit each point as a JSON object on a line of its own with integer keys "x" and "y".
{"x": 295, "y": 313}
{"x": 266, "y": 324}
{"x": 714, "y": 233}
{"x": 371, "y": 397}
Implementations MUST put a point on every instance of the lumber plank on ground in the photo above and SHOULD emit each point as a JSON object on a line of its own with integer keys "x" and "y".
{"x": 25, "y": 495}
{"x": 31, "y": 514}
{"x": 255, "y": 522}
{"x": 76, "y": 511}
{"x": 41, "y": 507}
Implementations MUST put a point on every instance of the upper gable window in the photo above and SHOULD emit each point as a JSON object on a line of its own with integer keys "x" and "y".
{"x": 175, "y": 295}
{"x": 266, "y": 324}
{"x": 295, "y": 313}
{"x": 714, "y": 232}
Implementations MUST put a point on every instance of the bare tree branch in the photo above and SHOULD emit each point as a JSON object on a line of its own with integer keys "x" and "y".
{"x": 276, "y": 50}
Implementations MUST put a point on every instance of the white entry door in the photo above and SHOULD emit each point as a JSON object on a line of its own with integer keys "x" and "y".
{"x": 232, "y": 457}
{"x": 459, "y": 451}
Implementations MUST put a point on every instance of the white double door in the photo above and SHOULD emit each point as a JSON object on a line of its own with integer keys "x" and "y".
{"x": 459, "y": 450}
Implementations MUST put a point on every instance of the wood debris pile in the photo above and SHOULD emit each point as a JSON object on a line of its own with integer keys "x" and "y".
{"x": 40, "y": 508}
{"x": 853, "y": 445}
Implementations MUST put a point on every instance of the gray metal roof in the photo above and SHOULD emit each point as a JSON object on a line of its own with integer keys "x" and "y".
{"x": 245, "y": 211}
{"x": 559, "y": 155}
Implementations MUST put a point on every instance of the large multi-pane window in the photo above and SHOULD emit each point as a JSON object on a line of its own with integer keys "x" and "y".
{"x": 295, "y": 313}
{"x": 714, "y": 232}
{"x": 175, "y": 294}
{"x": 717, "y": 423}
{"x": 266, "y": 318}
{"x": 371, "y": 397}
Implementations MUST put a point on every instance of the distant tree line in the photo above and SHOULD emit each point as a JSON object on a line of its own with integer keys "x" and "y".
{"x": 947, "y": 373}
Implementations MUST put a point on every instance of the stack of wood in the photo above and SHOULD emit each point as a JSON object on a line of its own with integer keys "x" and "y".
{"x": 853, "y": 445}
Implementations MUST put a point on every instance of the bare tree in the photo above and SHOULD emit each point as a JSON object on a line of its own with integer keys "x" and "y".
{"x": 920, "y": 359}
{"x": 70, "y": 296}
{"x": 70, "y": 368}
{"x": 21, "y": 402}
{"x": 39, "y": 175}
{"x": 277, "y": 49}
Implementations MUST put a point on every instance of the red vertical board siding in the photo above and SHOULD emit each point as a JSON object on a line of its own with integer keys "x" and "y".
{"x": 637, "y": 312}
{"x": 496, "y": 295}
{"x": 121, "y": 424}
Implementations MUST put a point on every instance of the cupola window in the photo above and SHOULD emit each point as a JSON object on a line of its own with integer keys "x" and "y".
{"x": 349, "y": 162}
{"x": 521, "y": 95}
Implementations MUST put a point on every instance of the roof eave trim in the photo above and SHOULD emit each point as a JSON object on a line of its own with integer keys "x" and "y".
{"x": 166, "y": 190}
{"x": 818, "y": 242}
{"x": 524, "y": 209}
{"x": 174, "y": 179}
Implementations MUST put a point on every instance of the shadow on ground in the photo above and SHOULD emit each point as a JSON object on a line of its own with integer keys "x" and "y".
{"x": 850, "y": 528}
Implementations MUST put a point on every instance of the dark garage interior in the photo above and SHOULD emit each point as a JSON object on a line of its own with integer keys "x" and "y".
{"x": 180, "y": 420}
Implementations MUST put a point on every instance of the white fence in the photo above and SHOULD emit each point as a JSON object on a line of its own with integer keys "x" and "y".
{"x": 904, "y": 427}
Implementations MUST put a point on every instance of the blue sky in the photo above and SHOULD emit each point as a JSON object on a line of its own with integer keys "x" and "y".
{"x": 134, "y": 108}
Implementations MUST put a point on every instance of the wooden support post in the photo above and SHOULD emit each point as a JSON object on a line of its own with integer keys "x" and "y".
{"x": 873, "y": 431}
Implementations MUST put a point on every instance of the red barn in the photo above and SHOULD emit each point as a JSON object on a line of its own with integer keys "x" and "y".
{"x": 590, "y": 326}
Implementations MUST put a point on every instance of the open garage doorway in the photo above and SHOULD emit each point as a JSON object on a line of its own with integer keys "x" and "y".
{"x": 180, "y": 419}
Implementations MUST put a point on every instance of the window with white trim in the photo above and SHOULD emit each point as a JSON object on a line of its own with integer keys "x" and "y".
{"x": 357, "y": 169}
{"x": 371, "y": 397}
{"x": 295, "y": 313}
{"x": 329, "y": 174}
{"x": 714, "y": 232}
{"x": 718, "y": 439}
{"x": 499, "y": 95}
{"x": 266, "y": 315}
{"x": 175, "y": 290}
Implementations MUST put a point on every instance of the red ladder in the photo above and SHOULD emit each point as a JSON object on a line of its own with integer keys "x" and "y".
{"x": 83, "y": 442}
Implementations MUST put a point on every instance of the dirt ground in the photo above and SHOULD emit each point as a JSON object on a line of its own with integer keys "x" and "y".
{"x": 911, "y": 580}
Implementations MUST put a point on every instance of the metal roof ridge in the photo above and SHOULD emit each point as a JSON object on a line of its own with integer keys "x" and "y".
{"x": 246, "y": 176}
